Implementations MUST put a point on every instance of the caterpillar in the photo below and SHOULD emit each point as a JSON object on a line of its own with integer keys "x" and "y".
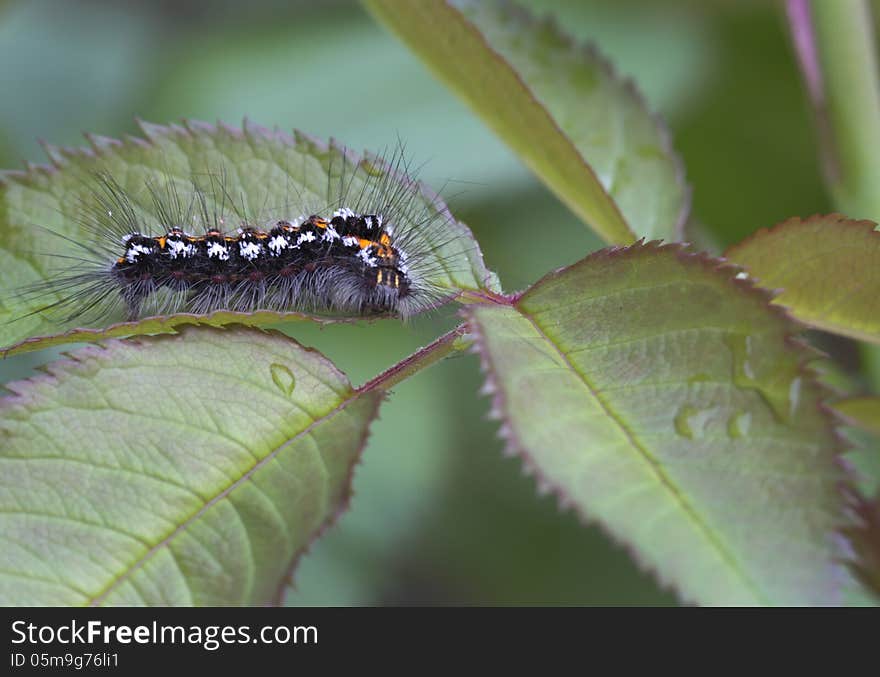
{"x": 371, "y": 249}
{"x": 346, "y": 262}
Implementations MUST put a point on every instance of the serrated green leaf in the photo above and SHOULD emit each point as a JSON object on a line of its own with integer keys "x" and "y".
{"x": 863, "y": 415}
{"x": 261, "y": 168}
{"x": 195, "y": 478}
{"x": 827, "y": 269}
{"x": 660, "y": 395}
{"x": 586, "y": 133}
{"x": 864, "y": 538}
{"x": 167, "y": 324}
{"x": 863, "y": 458}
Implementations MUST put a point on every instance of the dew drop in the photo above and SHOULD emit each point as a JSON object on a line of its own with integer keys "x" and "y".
{"x": 691, "y": 422}
{"x": 741, "y": 348}
{"x": 794, "y": 396}
{"x": 738, "y": 425}
{"x": 283, "y": 378}
{"x": 683, "y": 422}
{"x": 777, "y": 399}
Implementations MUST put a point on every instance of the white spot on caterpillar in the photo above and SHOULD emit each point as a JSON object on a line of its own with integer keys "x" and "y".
{"x": 373, "y": 220}
{"x": 278, "y": 244}
{"x": 135, "y": 250}
{"x": 308, "y": 236}
{"x": 179, "y": 248}
{"x": 250, "y": 250}
{"x": 330, "y": 234}
{"x": 364, "y": 255}
{"x": 350, "y": 241}
{"x": 215, "y": 249}
{"x": 344, "y": 212}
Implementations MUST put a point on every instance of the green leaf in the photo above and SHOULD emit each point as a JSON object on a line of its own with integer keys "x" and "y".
{"x": 659, "y": 394}
{"x": 165, "y": 324}
{"x": 826, "y": 268}
{"x": 863, "y": 457}
{"x": 864, "y": 538}
{"x": 173, "y": 470}
{"x": 263, "y": 170}
{"x": 586, "y": 133}
{"x": 863, "y": 415}
{"x": 861, "y": 411}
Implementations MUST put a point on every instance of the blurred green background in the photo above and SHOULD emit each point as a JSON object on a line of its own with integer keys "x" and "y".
{"x": 439, "y": 515}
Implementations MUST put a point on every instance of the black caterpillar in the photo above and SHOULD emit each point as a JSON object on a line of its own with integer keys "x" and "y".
{"x": 347, "y": 263}
{"x": 344, "y": 261}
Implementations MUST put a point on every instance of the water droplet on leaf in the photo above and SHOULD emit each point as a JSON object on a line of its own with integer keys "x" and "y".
{"x": 682, "y": 422}
{"x": 283, "y": 378}
{"x": 794, "y": 395}
{"x": 768, "y": 382}
{"x": 691, "y": 422}
{"x": 741, "y": 349}
{"x": 738, "y": 425}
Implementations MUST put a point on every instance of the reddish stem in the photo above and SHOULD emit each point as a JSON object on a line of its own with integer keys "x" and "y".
{"x": 422, "y": 358}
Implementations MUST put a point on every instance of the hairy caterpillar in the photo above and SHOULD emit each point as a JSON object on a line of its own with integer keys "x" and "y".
{"x": 190, "y": 245}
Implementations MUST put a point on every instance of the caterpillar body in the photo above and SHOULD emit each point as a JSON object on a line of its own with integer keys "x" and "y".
{"x": 347, "y": 263}
{"x": 375, "y": 247}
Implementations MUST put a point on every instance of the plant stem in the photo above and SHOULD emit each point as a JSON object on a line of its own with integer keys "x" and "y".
{"x": 452, "y": 341}
{"x": 836, "y": 48}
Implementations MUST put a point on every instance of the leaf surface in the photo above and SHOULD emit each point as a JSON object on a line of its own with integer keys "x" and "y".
{"x": 660, "y": 395}
{"x": 827, "y": 269}
{"x": 173, "y": 470}
{"x": 585, "y": 132}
